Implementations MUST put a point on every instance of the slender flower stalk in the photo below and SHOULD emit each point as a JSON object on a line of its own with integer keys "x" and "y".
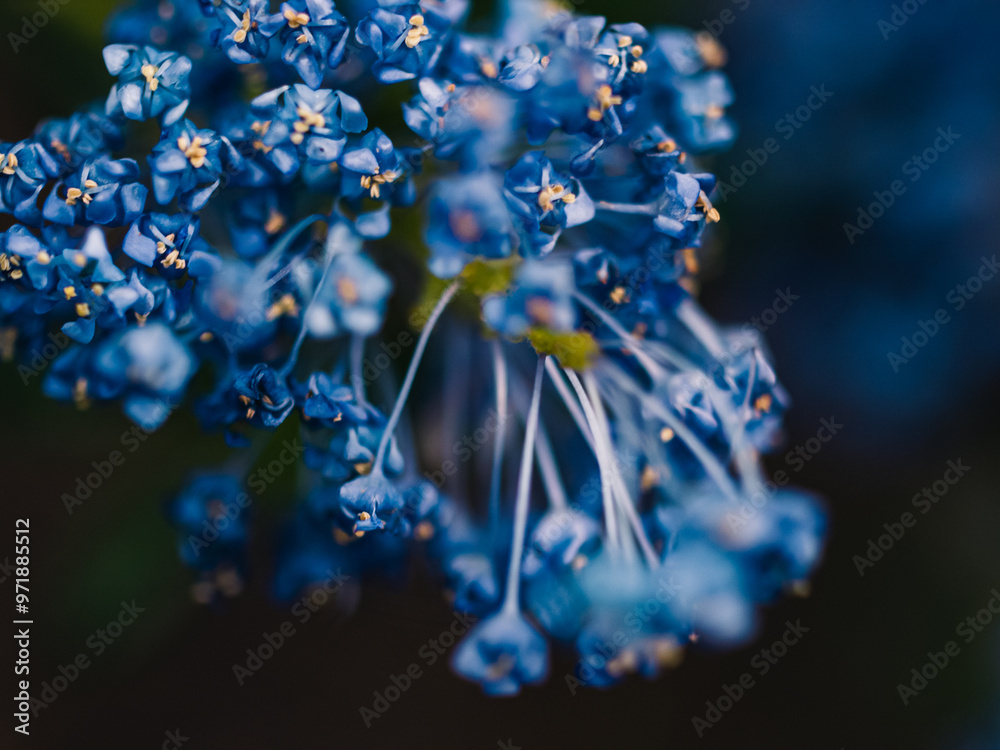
{"x": 511, "y": 603}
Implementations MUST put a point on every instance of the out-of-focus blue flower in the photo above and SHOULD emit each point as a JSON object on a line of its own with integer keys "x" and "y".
{"x": 502, "y": 653}
{"x": 189, "y": 163}
{"x": 542, "y": 296}
{"x": 353, "y": 300}
{"x": 102, "y": 191}
{"x": 407, "y": 39}
{"x": 151, "y": 83}
{"x": 467, "y": 219}
{"x": 469, "y": 123}
{"x": 82, "y": 136}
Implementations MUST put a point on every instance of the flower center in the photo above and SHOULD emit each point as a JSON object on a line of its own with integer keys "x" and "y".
{"x": 11, "y": 166}
{"x": 347, "y": 290}
{"x": 373, "y": 182}
{"x": 295, "y": 20}
{"x": 193, "y": 150}
{"x": 549, "y": 194}
{"x": 417, "y": 31}
{"x": 149, "y": 73}
{"x": 240, "y": 35}
{"x": 74, "y": 194}
{"x": 605, "y": 99}
{"x": 306, "y": 122}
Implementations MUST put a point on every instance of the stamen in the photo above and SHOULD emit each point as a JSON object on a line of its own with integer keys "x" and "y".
{"x": 417, "y": 31}
{"x": 240, "y": 35}
{"x": 149, "y": 73}
{"x": 295, "y": 20}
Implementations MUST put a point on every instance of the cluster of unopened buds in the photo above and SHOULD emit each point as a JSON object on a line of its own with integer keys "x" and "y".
{"x": 548, "y": 217}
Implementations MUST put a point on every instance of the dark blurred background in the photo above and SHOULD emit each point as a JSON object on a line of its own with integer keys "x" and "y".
{"x": 892, "y": 86}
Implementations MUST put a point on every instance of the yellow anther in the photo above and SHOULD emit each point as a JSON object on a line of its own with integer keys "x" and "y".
{"x": 713, "y": 53}
{"x": 284, "y": 306}
{"x": 240, "y": 35}
{"x": 763, "y": 403}
{"x": 206, "y": 337}
{"x": 365, "y": 468}
{"x": 488, "y": 69}
{"x": 417, "y": 31}
{"x": 73, "y": 195}
{"x": 171, "y": 259}
{"x": 11, "y": 166}
{"x": 639, "y": 66}
{"x": 606, "y": 98}
{"x": 193, "y": 150}
{"x": 690, "y": 260}
{"x": 275, "y": 222}
{"x": 636, "y": 50}
{"x": 296, "y": 138}
{"x": 302, "y": 38}
{"x": 618, "y": 295}
{"x": 260, "y": 128}
{"x": 541, "y": 310}
{"x": 624, "y": 41}
{"x": 97, "y": 289}
{"x": 69, "y": 291}
{"x": 149, "y": 73}
{"x": 8, "y": 337}
{"x": 711, "y": 214}
{"x": 43, "y": 257}
{"x": 423, "y": 531}
{"x": 4, "y": 262}
{"x": 714, "y": 112}
{"x": 16, "y": 274}
{"x": 549, "y": 194}
{"x": 364, "y": 515}
{"x": 141, "y": 319}
{"x": 347, "y": 290}
{"x": 80, "y": 259}
{"x": 668, "y": 144}
{"x": 666, "y": 435}
{"x": 82, "y": 309}
{"x": 295, "y": 20}
{"x": 80, "y": 394}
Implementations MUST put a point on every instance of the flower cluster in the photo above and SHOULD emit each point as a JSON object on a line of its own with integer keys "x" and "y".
{"x": 551, "y": 191}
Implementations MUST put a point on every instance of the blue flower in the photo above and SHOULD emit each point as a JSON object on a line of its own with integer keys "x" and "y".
{"x": 542, "y": 296}
{"x": 362, "y": 499}
{"x": 243, "y": 29}
{"x": 467, "y": 218}
{"x": 171, "y": 244}
{"x": 147, "y": 367}
{"x": 83, "y": 136}
{"x": 23, "y": 175}
{"x": 264, "y": 395}
{"x": 306, "y": 125}
{"x": 189, "y": 163}
{"x": 377, "y": 169}
{"x": 471, "y": 124}
{"x": 502, "y": 653}
{"x": 101, "y": 191}
{"x": 331, "y": 402}
{"x": 543, "y": 202}
{"x": 353, "y": 300}
{"x": 314, "y": 35}
{"x": 151, "y": 83}
{"x": 211, "y": 521}
{"x": 406, "y": 39}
